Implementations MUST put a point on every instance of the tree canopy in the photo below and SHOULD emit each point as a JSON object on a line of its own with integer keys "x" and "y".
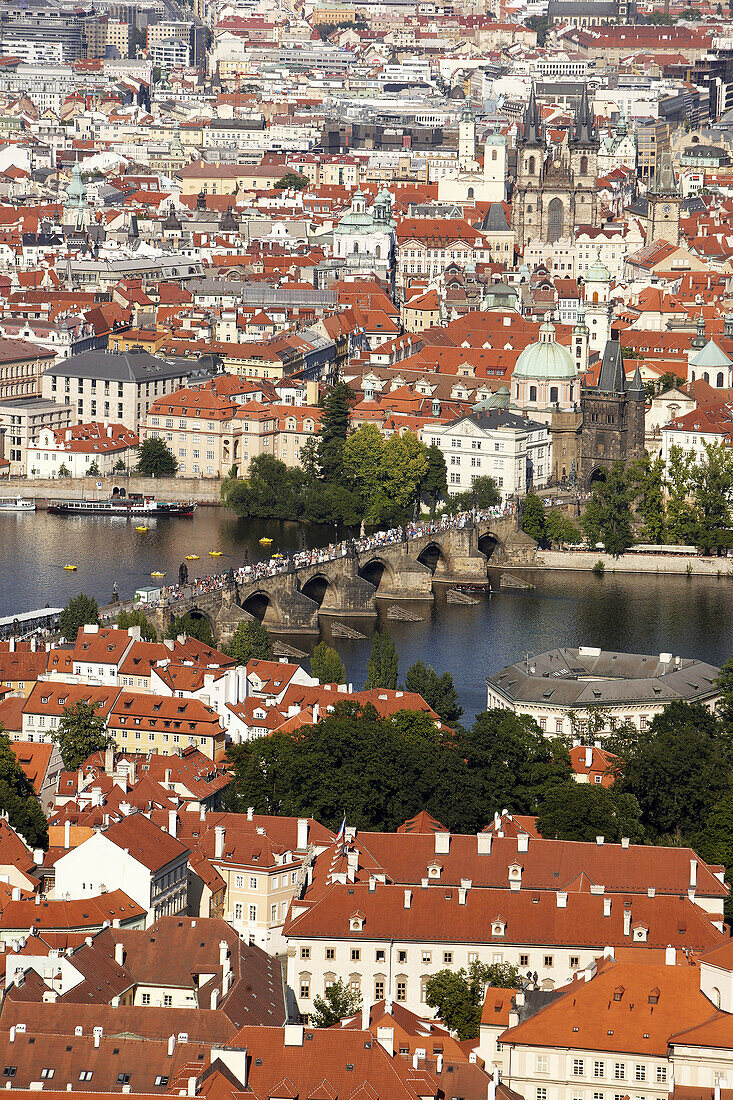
{"x": 193, "y": 626}
{"x": 80, "y": 732}
{"x": 339, "y": 1000}
{"x": 382, "y": 665}
{"x": 581, "y": 811}
{"x": 250, "y": 641}
{"x": 438, "y": 691}
{"x": 137, "y": 617}
{"x": 155, "y": 459}
{"x": 327, "y": 666}
{"x": 79, "y": 611}
{"x": 458, "y": 995}
{"x": 18, "y": 798}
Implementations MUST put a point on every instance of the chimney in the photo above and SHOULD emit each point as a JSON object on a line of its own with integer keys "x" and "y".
{"x": 523, "y": 842}
{"x": 11, "y": 1036}
{"x": 365, "y": 1015}
{"x": 439, "y": 1064}
{"x": 562, "y": 900}
{"x": 651, "y": 891}
{"x": 483, "y": 841}
{"x": 120, "y": 953}
{"x": 109, "y": 760}
{"x": 442, "y": 844}
{"x": 670, "y": 956}
{"x": 693, "y": 874}
{"x": 219, "y": 832}
{"x": 250, "y": 812}
{"x": 38, "y": 856}
{"x": 214, "y": 999}
{"x": 67, "y": 834}
{"x": 172, "y": 822}
{"x": 293, "y": 1035}
{"x": 302, "y": 833}
{"x": 408, "y": 898}
{"x": 191, "y": 1090}
{"x": 167, "y": 778}
{"x": 462, "y": 895}
{"x": 98, "y": 1035}
{"x": 624, "y": 842}
{"x": 588, "y": 756}
{"x": 223, "y": 953}
{"x": 385, "y": 1038}
{"x": 600, "y": 840}
{"x": 627, "y": 922}
{"x": 171, "y": 1045}
{"x": 16, "y": 893}
{"x": 607, "y": 907}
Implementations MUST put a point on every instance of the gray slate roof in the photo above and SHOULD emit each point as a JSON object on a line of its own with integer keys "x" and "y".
{"x": 121, "y": 366}
{"x": 586, "y": 677}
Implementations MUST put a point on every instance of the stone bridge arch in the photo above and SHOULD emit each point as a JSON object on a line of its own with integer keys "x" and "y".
{"x": 323, "y": 590}
{"x": 490, "y": 545}
{"x": 434, "y": 558}
{"x": 378, "y": 570}
{"x": 261, "y": 605}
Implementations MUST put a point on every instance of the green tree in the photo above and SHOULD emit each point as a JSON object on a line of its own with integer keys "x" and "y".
{"x": 193, "y": 626}
{"x": 327, "y": 666}
{"x": 382, "y": 663}
{"x": 339, "y": 1000}
{"x": 458, "y": 995}
{"x": 724, "y": 683}
{"x": 434, "y": 484}
{"x": 508, "y": 763}
{"x": 534, "y": 518}
{"x": 681, "y": 523}
{"x": 80, "y": 732}
{"x": 484, "y": 494}
{"x": 581, "y": 811}
{"x": 79, "y": 611}
{"x": 271, "y": 490}
{"x": 155, "y": 459}
{"x": 438, "y": 691}
{"x": 712, "y": 482}
{"x": 334, "y": 428}
{"x": 94, "y": 470}
{"x": 646, "y": 477}
{"x": 677, "y": 769}
{"x": 18, "y": 798}
{"x": 137, "y": 617}
{"x": 119, "y": 467}
{"x": 361, "y": 457}
{"x": 539, "y": 24}
{"x": 64, "y": 470}
{"x": 560, "y": 529}
{"x": 250, "y": 641}
{"x": 607, "y": 517}
{"x": 292, "y": 181}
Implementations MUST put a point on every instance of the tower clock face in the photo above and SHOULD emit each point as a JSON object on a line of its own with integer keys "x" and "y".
{"x": 666, "y": 210}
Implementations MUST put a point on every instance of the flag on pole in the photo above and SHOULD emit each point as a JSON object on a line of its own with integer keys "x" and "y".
{"x": 341, "y": 834}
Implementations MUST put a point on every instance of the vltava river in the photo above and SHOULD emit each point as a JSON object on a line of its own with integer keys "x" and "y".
{"x": 647, "y": 614}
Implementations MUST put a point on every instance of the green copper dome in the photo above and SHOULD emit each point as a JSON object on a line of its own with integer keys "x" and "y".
{"x": 546, "y": 360}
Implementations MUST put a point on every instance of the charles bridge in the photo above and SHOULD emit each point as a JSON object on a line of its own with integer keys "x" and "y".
{"x": 349, "y": 584}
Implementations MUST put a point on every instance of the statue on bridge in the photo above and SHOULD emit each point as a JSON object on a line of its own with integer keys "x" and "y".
{"x": 183, "y": 574}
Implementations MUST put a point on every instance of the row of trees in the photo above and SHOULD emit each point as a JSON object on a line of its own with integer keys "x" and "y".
{"x": 687, "y": 504}
{"x": 344, "y": 476}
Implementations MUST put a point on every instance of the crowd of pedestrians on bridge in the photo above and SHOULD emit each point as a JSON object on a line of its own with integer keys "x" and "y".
{"x": 285, "y": 563}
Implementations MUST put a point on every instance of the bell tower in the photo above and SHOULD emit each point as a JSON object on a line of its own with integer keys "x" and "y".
{"x": 664, "y": 204}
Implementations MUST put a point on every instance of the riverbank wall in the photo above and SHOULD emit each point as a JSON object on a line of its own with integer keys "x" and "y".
{"x": 178, "y": 489}
{"x": 583, "y": 561}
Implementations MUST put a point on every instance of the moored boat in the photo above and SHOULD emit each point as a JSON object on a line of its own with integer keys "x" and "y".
{"x": 118, "y": 505}
{"x": 17, "y": 504}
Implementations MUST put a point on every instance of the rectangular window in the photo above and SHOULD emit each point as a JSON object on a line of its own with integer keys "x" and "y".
{"x": 619, "y": 1071}
{"x": 447, "y": 957}
{"x": 145, "y": 998}
{"x": 661, "y": 1075}
{"x": 355, "y": 954}
{"x": 541, "y": 1093}
{"x": 542, "y": 1063}
{"x": 402, "y": 956}
{"x": 548, "y": 960}
{"x": 401, "y": 991}
{"x": 305, "y": 987}
{"x": 305, "y": 952}
{"x": 379, "y": 990}
{"x": 524, "y": 960}
{"x": 578, "y": 1067}
{"x": 330, "y": 952}
{"x": 574, "y": 962}
{"x": 598, "y": 1069}
{"x": 253, "y": 912}
{"x": 639, "y": 1073}
{"x": 427, "y": 958}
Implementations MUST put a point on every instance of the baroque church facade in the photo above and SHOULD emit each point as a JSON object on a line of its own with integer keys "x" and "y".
{"x": 555, "y": 189}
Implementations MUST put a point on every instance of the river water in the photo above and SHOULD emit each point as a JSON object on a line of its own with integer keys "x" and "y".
{"x": 646, "y": 614}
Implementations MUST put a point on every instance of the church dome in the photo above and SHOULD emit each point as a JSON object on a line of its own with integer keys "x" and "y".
{"x": 598, "y": 272}
{"x": 546, "y": 360}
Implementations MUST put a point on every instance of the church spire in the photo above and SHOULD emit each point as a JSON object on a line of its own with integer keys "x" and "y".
{"x": 532, "y": 127}
{"x": 665, "y": 181}
{"x": 584, "y": 128}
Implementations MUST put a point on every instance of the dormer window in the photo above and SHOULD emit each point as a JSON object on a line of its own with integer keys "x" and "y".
{"x": 356, "y": 922}
{"x": 640, "y": 933}
{"x": 515, "y": 870}
{"x": 434, "y": 869}
{"x": 498, "y": 927}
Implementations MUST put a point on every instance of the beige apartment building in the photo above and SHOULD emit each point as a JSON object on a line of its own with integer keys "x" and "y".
{"x": 21, "y": 368}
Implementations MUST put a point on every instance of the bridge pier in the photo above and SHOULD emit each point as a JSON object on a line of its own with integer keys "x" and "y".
{"x": 285, "y": 610}
{"x": 396, "y": 575}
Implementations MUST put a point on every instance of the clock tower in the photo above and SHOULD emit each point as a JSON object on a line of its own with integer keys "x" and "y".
{"x": 664, "y": 202}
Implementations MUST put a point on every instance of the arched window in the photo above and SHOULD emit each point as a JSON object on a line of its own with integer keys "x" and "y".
{"x": 716, "y": 996}
{"x": 706, "y": 376}
{"x": 378, "y": 252}
{"x": 494, "y": 154}
{"x": 553, "y": 394}
{"x": 356, "y": 247}
{"x": 595, "y": 295}
{"x": 693, "y": 376}
{"x": 530, "y": 165}
{"x": 470, "y": 193}
{"x": 533, "y": 393}
{"x": 554, "y": 220}
{"x": 584, "y": 166}
{"x": 721, "y": 382}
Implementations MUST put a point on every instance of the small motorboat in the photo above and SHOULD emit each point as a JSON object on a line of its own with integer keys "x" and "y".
{"x": 141, "y": 528}
{"x": 278, "y": 557}
{"x": 215, "y": 553}
{"x": 192, "y": 557}
{"x": 265, "y": 542}
{"x": 71, "y": 568}
{"x": 157, "y": 573}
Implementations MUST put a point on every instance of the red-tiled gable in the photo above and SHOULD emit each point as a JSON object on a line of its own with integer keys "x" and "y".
{"x": 189, "y": 717}
{"x": 530, "y": 917}
{"x": 13, "y": 852}
{"x": 101, "y": 645}
{"x": 33, "y": 759}
{"x": 145, "y": 842}
{"x": 513, "y": 825}
{"x": 22, "y": 663}
{"x": 51, "y": 697}
{"x": 625, "y": 1007}
{"x": 708, "y": 419}
{"x": 421, "y": 823}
